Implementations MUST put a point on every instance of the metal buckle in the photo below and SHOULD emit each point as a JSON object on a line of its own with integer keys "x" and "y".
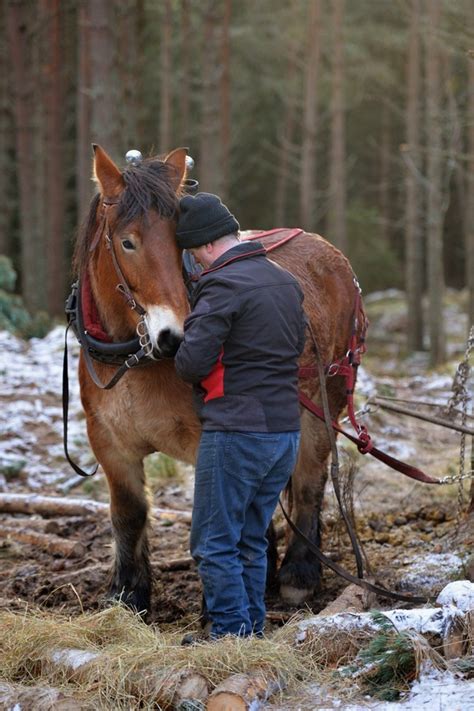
{"x": 131, "y": 365}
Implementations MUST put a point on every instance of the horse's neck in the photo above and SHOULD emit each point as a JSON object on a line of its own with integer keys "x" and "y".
{"x": 113, "y": 312}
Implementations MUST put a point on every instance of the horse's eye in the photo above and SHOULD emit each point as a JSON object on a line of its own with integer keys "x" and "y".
{"x": 128, "y": 245}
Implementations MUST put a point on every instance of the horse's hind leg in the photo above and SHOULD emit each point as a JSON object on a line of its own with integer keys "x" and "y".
{"x": 131, "y": 574}
{"x": 300, "y": 571}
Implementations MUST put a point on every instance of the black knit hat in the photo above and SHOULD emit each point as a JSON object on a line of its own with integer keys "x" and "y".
{"x": 202, "y": 219}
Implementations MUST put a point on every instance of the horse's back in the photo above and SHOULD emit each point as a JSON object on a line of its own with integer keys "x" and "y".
{"x": 329, "y": 287}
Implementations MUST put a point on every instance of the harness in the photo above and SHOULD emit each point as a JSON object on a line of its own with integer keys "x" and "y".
{"x": 82, "y": 317}
{"x": 130, "y": 354}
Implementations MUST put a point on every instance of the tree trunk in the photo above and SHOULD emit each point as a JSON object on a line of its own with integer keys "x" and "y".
{"x": 185, "y": 79}
{"x": 165, "y": 77}
{"x": 225, "y": 114}
{"x": 310, "y": 111}
{"x": 54, "y": 189}
{"x": 22, "y": 34}
{"x": 384, "y": 175}
{"x": 337, "y": 230}
{"x": 286, "y": 140}
{"x": 84, "y": 112}
{"x": 469, "y": 234}
{"x": 6, "y": 145}
{"x": 413, "y": 234}
{"x": 103, "y": 78}
{"x": 434, "y": 198}
{"x": 130, "y": 72}
{"x": 209, "y": 164}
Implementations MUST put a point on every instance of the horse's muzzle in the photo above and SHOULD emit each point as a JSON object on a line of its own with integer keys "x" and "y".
{"x": 168, "y": 343}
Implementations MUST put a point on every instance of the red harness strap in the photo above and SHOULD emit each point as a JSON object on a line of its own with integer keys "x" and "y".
{"x": 261, "y": 235}
{"x": 90, "y": 312}
{"x": 361, "y": 444}
{"x": 347, "y": 367}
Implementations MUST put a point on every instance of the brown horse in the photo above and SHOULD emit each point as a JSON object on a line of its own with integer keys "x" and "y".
{"x": 150, "y": 409}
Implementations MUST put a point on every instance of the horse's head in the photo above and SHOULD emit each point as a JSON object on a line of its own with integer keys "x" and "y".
{"x": 130, "y": 248}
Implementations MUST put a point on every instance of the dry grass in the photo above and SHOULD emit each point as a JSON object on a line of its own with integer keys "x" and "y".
{"x": 129, "y": 651}
{"x": 132, "y": 657}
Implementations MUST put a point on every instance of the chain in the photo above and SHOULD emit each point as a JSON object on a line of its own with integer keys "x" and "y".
{"x": 461, "y": 397}
{"x": 144, "y": 336}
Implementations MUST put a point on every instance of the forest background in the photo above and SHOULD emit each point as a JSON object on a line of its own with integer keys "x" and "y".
{"x": 353, "y": 119}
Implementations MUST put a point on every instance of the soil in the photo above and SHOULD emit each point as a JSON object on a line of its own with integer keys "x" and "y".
{"x": 399, "y": 521}
{"x": 416, "y": 537}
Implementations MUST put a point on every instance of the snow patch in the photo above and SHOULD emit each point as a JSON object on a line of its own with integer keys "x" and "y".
{"x": 460, "y": 594}
{"x": 31, "y": 410}
{"x": 74, "y": 658}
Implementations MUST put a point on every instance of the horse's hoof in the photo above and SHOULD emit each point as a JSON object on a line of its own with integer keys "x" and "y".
{"x": 295, "y": 596}
{"x": 131, "y": 599}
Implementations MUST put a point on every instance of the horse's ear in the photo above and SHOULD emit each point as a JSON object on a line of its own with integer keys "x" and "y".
{"x": 177, "y": 159}
{"x": 106, "y": 174}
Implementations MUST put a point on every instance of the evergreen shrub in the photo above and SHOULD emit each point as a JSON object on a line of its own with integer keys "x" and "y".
{"x": 13, "y": 315}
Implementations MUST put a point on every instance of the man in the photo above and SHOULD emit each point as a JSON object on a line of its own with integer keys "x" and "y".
{"x": 241, "y": 346}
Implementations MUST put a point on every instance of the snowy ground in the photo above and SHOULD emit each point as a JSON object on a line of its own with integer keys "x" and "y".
{"x": 408, "y": 530}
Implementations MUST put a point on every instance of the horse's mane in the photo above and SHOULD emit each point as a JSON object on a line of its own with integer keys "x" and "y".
{"x": 148, "y": 186}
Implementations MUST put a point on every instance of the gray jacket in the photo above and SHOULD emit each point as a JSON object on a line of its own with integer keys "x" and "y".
{"x": 242, "y": 342}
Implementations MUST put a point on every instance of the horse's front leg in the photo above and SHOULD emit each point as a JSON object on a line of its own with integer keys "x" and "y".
{"x": 131, "y": 574}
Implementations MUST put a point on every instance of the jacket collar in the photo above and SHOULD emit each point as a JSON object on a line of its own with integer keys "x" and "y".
{"x": 243, "y": 250}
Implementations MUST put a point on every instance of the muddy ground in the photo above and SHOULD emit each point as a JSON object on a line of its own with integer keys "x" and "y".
{"x": 412, "y": 537}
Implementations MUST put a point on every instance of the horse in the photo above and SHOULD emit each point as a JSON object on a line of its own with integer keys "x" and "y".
{"x": 127, "y": 247}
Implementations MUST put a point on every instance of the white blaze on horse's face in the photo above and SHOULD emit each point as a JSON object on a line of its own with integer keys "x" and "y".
{"x": 164, "y": 328}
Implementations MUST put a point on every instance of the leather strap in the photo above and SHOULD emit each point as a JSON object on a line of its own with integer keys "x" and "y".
{"x": 73, "y": 464}
{"x": 399, "y": 466}
{"x": 343, "y": 573}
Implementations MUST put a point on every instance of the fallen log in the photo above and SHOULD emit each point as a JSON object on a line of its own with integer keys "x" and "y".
{"x": 39, "y": 698}
{"x": 241, "y": 692}
{"x": 352, "y": 599}
{"x": 166, "y": 689}
{"x": 338, "y": 637}
{"x": 170, "y": 689}
{"x": 64, "y": 506}
{"x": 47, "y": 542}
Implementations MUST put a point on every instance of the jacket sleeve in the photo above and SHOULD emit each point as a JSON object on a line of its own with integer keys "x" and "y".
{"x": 205, "y": 331}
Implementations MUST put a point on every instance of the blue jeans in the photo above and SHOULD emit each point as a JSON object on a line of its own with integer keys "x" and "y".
{"x": 239, "y": 477}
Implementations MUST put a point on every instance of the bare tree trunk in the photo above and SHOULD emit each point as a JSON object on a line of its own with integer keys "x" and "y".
{"x": 384, "y": 174}
{"x": 165, "y": 74}
{"x": 185, "y": 83}
{"x": 337, "y": 229}
{"x": 22, "y": 36}
{"x": 130, "y": 73}
{"x": 434, "y": 199}
{"x": 413, "y": 234}
{"x": 286, "y": 138}
{"x": 54, "y": 192}
{"x": 469, "y": 234}
{"x": 225, "y": 114}
{"x": 103, "y": 87}
{"x": 84, "y": 112}
{"x": 308, "y": 158}
{"x": 209, "y": 164}
{"x": 6, "y": 141}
